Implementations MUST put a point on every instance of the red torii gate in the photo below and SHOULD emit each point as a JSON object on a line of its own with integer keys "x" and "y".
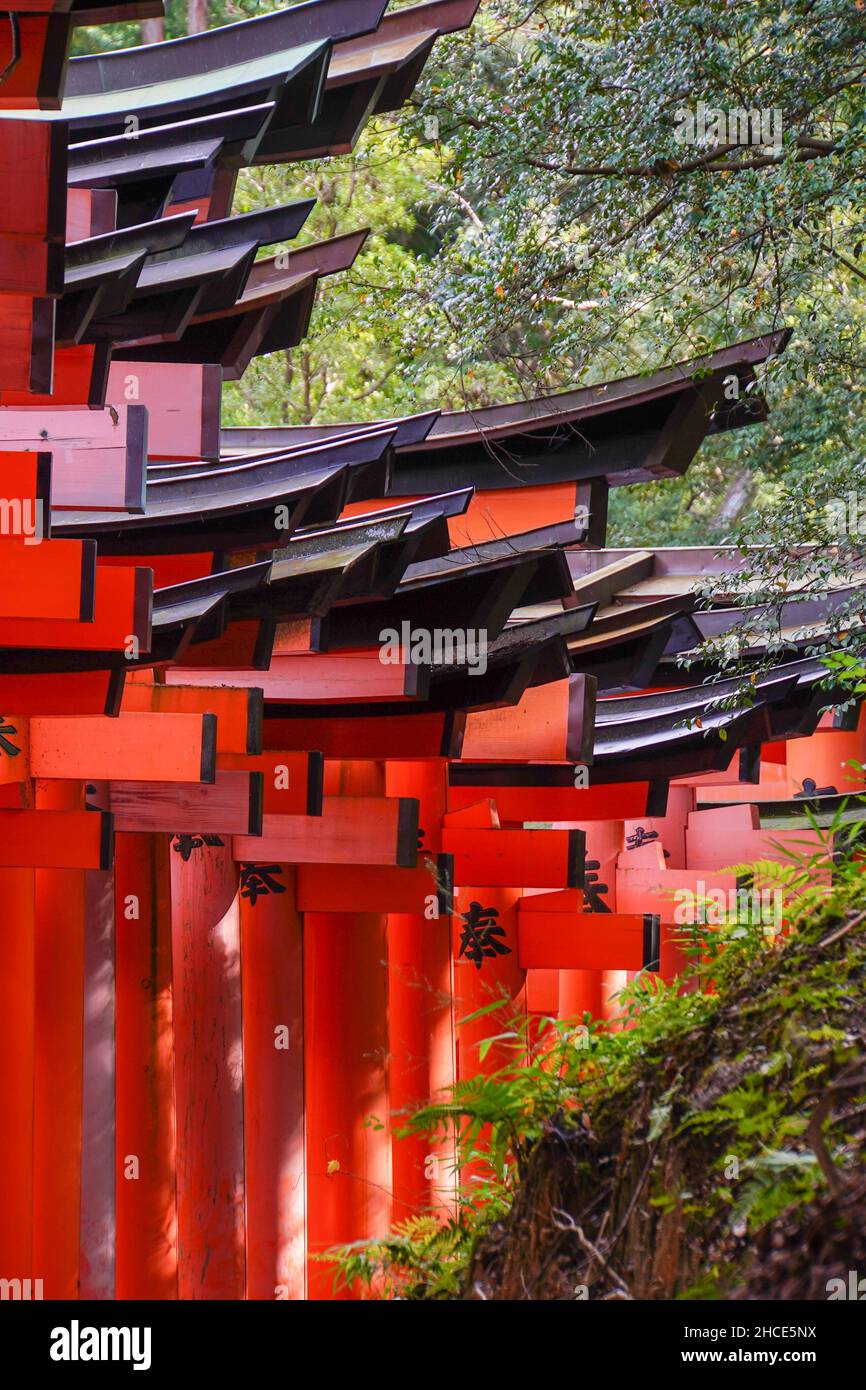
{"x": 252, "y": 889}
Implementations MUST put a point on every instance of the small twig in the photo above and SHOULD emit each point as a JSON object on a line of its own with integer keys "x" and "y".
{"x": 842, "y": 931}
{"x": 824, "y": 1107}
{"x": 815, "y": 1140}
{"x": 633, "y": 1199}
{"x": 570, "y": 1225}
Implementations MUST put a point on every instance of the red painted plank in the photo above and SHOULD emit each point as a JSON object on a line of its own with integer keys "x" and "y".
{"x": 146, "y": 747}
{"x": 723, "y": 838}
{"x": 530, "y": 858}
{"x": 69, "y": 692}
{"x": 478, "y": 815}
{"x": 292, "y": 782}
{"x": 27, "y": 477}
{"x": 55, "y": 579}
{"x": 661, "y": 890}
{"x": 239, "y": 646}
{"x": 26, "y": 343}
{"x": 397, "y": 736}
{"x": 311, "y": 677}
{"x": 551, "y": 722}
{"x": 231, "y": 805}
{"x": 357, "y": 830}
{"x": 33, "y": 205}
{"x": 55, "y": 839}
{"x": 122, "y": 612}
{"x": 35, "y": 81}
{"x": 238, "y": 712}
{"x": 98, "y": 456}
{"x": 79, "y": 378}
{"x": 370, "y": 888}
{"x": 517, "y": 803}
{"x": 584, "y": 941}
{"x": 167, "y": 569}
{"x": 30, "y": 266}
{"x": 90, "y": 212}
{"x": 183, "y": 405}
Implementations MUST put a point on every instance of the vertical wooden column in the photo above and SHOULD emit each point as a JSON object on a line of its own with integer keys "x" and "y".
{"x": 346, "y": 1053}
{"x": 98, "y": 1162}
{"x": 580, "y": 992}
{"x": 17, "y": 1068}
{"x": 420, "y": 1013}
{"x": 205, "y": 922}
{"x": 499, "y": 977}
{"x": 273, "y": 1006}
{"x": 586, "y": 991}
{"x": 542, "y": 1002}
{"x": 60, "y": 1002}
{"x": 145, "y": 1125}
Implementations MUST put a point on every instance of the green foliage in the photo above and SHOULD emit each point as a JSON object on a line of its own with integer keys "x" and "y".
{"x": 750, "y": 1099}
{"x": 538, "y": 224}
{"x": 103, "y": 38}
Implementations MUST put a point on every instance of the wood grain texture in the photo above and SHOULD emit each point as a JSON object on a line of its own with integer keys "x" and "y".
{"x": 147, "y": 747}
{"x": 356, "y": 830}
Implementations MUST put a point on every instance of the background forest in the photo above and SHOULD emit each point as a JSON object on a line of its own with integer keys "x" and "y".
{"x": 539, "y": 223}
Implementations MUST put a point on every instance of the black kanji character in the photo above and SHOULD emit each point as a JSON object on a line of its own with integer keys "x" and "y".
{"x": 809, "y": 790}
{"x": 478, "y": 938}
{"x": 592, "y": 888}
{"x": 4, "y": 742}
{"x": 185, "y": 844}
{"x": 640, "y": 837}
{"x": 257, "y": 880}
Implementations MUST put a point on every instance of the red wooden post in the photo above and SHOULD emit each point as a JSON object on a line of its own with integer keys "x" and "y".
{"x": 145, "y": 1132}
{"x": 498, "y": 977}
{"x": 17, "y": 1070}
{"x": 346, "y": 1052}
{"x": 586, "y": 991}
{"x": 99, "y": 1124}
{"x": 58, "y": 1090}
{"x": 209, "y": 1074}
{"x": 273, "y": 1002}
{"x": 419, "y": 1005}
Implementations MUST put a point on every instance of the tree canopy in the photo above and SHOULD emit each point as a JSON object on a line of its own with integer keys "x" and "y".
{"x": 579, "y": 191}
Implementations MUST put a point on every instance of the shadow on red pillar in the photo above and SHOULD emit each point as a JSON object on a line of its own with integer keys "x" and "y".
{"x": 208, "y": 1074}
{"x": 145, "y": 1133}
